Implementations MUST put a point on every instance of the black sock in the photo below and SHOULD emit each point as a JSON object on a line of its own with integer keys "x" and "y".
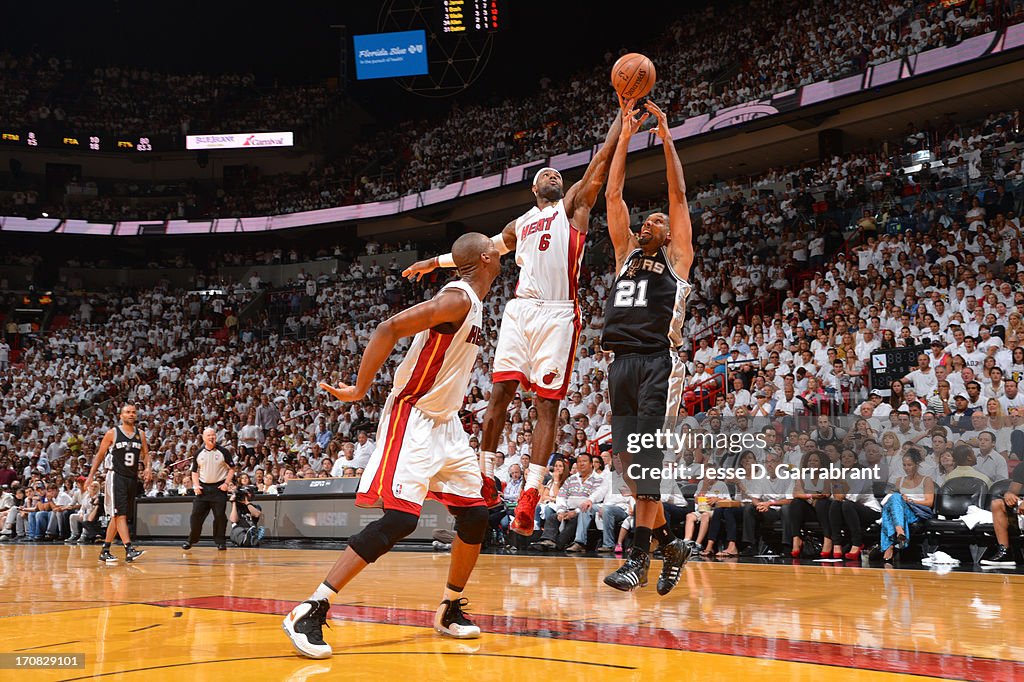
{"x": 128, "y": 547}
{"x": 106, "y": 546}
{"x": 642, "y": 539}
{"x": 663, "y": 535}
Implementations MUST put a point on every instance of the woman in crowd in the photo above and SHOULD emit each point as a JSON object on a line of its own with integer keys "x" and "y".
{"x": 698, "y": 522}
{"x": 946, "y": 466}
{"x": 853, "y": 508}
{"x": 912, "y": 501}
{"x": 811, "y": 499}
{"x": 730, "y": 513}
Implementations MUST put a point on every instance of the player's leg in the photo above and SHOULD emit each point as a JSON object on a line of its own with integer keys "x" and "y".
{"x": 304, "y": 625}
{"x": 510, "y": 368}
{"x": 110, "y": 508}
{"x": 502, "y": 393}
{"x": 125, "y": 490}
{"x": 450, "y": 619}
{"x": 551, "y": 333}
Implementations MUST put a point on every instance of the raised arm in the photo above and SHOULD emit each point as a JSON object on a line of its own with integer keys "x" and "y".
{"x": 448, "y": 307}
{"x": 680, "y": 245}
{"x": 623, "y": 239}
{"x": 505, "y": 241}
{"x": 147, "y": 472}
{"x": 582, "y": 196}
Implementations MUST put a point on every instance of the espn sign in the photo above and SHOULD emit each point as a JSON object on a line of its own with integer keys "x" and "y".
{"x": 239, "y": 140}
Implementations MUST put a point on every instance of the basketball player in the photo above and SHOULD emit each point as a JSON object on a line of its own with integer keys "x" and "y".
{"x": 422, "y": 450}
{"x": 541, "y": 324}
{"x": 119, "y": 451}
{"x": 643, "y": 327}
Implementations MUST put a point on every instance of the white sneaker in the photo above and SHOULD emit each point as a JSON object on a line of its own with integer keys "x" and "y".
{"x": 450, "y": 620}
{"x": 304, "y": 627}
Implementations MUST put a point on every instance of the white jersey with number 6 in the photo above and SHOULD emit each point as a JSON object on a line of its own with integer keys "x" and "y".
{"x": 549, "y": 251}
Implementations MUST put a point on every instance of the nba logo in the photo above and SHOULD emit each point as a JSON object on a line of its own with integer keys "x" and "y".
{"x": 398, "y": 488}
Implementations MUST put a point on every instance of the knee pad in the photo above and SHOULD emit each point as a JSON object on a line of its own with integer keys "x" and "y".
{"x": 471, "y": 524}
{"x": 374, "y": 541}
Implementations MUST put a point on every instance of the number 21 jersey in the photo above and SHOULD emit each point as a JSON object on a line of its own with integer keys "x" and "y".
{"x": 646, "y": 306}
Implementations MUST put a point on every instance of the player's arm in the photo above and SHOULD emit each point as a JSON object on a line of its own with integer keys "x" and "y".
{"x": 448, "y": 307}
{"x": 147, "y": 472}
{"x": 108, "y": 440}
{"x": 582, "y": 196}
{"x": 504, "y": 242}
{"x": 680, "y": 246}
{"x": 623, "y": 239}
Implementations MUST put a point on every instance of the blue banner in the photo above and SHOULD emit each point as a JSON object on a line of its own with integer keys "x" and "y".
{"x": 387, "y": 55}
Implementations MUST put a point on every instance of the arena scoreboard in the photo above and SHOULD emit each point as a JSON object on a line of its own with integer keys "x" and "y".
{"x": 465, "y": 16}
{"x": 28, "y": 138}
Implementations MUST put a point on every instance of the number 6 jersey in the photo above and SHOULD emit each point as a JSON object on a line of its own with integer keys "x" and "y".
{"x": 646, "y": 306}
{"x": 549, "y": 251}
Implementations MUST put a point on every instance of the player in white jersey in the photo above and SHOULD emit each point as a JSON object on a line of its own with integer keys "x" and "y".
{"x": 422, "y": 449}
{"x": 541, "y": 324}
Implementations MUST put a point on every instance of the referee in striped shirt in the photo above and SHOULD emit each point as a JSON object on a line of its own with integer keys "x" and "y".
{"x": 212, "y": 471}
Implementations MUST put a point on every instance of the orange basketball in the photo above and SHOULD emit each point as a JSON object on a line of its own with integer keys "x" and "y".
{"x": 633, "y": 75}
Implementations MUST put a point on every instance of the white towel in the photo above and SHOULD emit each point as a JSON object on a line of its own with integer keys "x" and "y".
{"x": 976, "y": 515}
{"x": 940, "y": 559}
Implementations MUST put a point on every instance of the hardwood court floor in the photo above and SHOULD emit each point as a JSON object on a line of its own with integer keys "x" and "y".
{"x": 216, "y": 616}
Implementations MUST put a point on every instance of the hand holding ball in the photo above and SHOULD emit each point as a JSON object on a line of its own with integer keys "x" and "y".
{"x": 633, "y": 76}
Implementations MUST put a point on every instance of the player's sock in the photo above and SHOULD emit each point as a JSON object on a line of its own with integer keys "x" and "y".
{"x": 535, "y": 476}
{"x": 106, "y": 546}
{"x": 663, "y": 535}
{"x": 323, "y": 591}
{"x": 451, "y": 593}
{"x": 487, "y": 463}
{"x": 642, "y": 539}
{"x": 128, "y": 547}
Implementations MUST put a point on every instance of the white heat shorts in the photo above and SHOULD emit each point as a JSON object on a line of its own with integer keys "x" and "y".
{"x": 537, "y": 345}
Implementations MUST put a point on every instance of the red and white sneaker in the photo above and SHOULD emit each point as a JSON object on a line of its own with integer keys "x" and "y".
{"x": 489, "y": 492}
{"x": 526, "y": 509}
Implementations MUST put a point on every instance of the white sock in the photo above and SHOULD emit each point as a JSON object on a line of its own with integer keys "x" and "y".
{"x": 535, "y": 476}
{"x": 487, "y": 463}
{"x": 323, "y": 591}
{"x": 450, "y": 594}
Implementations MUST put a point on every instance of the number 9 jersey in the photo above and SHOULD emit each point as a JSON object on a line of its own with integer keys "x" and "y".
{"x": 124, "y": 453}
{"x": 646, "y": 307}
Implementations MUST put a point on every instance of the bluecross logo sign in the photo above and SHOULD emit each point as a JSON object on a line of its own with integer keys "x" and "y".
{"x": 389, "y": 55}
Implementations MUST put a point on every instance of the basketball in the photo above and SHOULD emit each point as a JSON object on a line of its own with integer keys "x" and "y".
{"x": 633, "y": 75}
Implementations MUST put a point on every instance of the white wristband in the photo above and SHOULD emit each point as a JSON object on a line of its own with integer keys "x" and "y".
{"x": 446, "y": 261}
{"x": 499, "y": 243}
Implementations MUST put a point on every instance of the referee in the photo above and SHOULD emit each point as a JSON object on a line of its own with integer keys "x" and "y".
{"x": 212, "y": 471}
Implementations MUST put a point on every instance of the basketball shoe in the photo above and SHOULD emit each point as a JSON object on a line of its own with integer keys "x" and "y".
{"x": 452, "y": 621}
{"x": 632, "y": 574}
{"x": 675, "y": 555}
{"x": 526, "y": 508}
{"x": 132, "y": 554}
{"x": 304, "y": 627}
{"x": 489, "y": 492}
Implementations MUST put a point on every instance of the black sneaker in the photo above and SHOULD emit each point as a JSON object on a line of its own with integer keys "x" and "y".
{"x": 305, "y": 628}
{"x": 632, "y": 574}
{"x": 451, "y": 620}
{"x": 106, "y": 556}
{"x": 131, "y": 554}
{"x": 1001, "y": 557}
{"x": 186, "y": 546}
{"x": 221, "y": 548}
{"x": 675, "y": 555}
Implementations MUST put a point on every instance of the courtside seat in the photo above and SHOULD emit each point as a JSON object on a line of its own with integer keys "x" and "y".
{"x": 951, "y": 502}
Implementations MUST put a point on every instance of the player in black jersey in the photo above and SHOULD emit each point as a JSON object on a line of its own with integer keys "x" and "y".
{"x": 643, "y": 327}
{"x": 120, "y": 450}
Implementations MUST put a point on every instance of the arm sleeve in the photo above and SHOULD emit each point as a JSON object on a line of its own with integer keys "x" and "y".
{"x": 229, "y": 457}
{"x": 195, "y": 463}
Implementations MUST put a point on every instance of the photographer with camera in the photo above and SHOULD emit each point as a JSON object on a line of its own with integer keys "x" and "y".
{"x": 245, "y": 518}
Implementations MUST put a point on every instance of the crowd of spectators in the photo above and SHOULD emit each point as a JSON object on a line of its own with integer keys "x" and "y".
{"x": 39, "y": 91}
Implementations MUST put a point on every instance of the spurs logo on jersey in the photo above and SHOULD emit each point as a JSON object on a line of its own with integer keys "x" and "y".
{"x": 549, "y": 251}
{"x": 646, "y": 309}
{"x": 123, "y": 455}
{"x": 435, "y": 373}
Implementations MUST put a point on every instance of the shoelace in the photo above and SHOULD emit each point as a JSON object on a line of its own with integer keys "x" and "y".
{"x": 459, "y": 607}
{"x": 320, "y": 613}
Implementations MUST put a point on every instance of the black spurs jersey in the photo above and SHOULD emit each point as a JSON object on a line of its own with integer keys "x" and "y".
{"x": 124, "y": 453}
{"x": 646, "y": 306}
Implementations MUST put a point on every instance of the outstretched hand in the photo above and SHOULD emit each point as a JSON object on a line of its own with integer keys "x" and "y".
{"x": 343, "y": 392}
{"x": 662, "y": 129}
{"x": 630, "y": 124}
{"x": 416, "y": 271}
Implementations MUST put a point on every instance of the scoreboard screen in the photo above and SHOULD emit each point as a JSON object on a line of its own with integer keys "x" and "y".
{"x": 466, "y": 16}
{"x": 96, "y": 142}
